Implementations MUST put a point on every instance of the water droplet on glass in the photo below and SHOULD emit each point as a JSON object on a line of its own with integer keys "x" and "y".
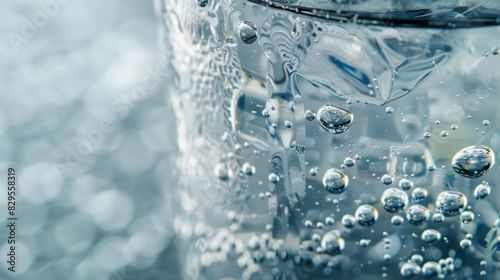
{"x": 409, "y": 270}
{"x": 309, "y": 115}
{"x": 467, "y": 217}
{"x": 332, "y": 243}
{"x": 473, "y": 161}
{"x": 335, "y": 181}
{"x": 366, "y": 215}
{"x": 349, "y": 162}
{"x": 451, "y": 203}
{"x": 417, "y": 214}
{"x": 202, "y": 3}
{"x": 349, "y": 221}
{"x": 405, "y": 184}
{"x": 386, "y": 179}
{"x": 394, "y": 200}
{"x": 397, "y": 220}
{"x": 334, "y": 119}
{"x": 419, "y": 194}
{"x": 437, "y": 218}
{"x": 431, "y": 236}
{"x": 222, "y": 172}
{"x": 482, "y": 191}
{"x": 273, "y": 178}
{"x": 248, "y": 169}
{"x": 248, "y": 32}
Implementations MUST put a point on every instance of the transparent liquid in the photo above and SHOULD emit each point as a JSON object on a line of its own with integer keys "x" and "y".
{"x": 314, "y": 149}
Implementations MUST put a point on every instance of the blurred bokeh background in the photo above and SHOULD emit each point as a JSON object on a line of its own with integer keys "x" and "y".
{"x": 85, "y": 120}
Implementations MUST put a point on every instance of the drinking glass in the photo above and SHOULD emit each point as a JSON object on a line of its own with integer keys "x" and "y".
{"x": 336, "y": 139}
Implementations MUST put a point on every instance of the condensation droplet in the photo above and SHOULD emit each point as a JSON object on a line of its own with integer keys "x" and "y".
{"x": 335, "y": 181}
{"x": 417, "y": 214}
{"x": 482, "y": 191}
{"x": 334, "y": 119}
{"x": 394, "y": 200}
{"x": 366, "y": 215}
{"x": 451, "y": 203}
{"x": 473, "y": 161}
{"x": 248, "y": 32}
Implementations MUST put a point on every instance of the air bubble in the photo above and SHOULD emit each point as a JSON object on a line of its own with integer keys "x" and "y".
{"x": 349, "y": 221}
{"x": 334, "y": 119}
{"x": 431, "y": 269}
{"x": 309, "y": 115}
{"x": 332, "y": 243}
{"x": 397, "y": 220}
{"x": 335, "y": 181}
{"x": 486, "y": 122}
{"x": 444, "y": 133}
{"x": 248, "y": 32}
{"x": 473, "y": 161}
{"x": 222, "y": 172}
{"x": 427, "y": 134}
{"x": 349, "y": 162}
{"x": 405, "y": 184}
{"x": 273, "y": 178}
{"x": 467, "y": 217}
{"x": 329, "y": 221}
{"x": 248, "y": 169}
{"x": 418, "y": 259}
{"x": 438, "y": 218}
{"x": 389, "y": 110}
{"x": 202, "y": 3}
{"x": 394, "y": 200}
{"x": 430, "y": 236}
{"x": 481, "y": 191}
{"x": 313, "y": 171}
{"x": 409, "y": 270}
{"x": 288, "y": 124}
{"x": 417, "y": 214}
{"x": 419, "y": 194}
{"x": 465, "y": 243}
{"x": 366, "y": 215}
{"x": 451, "y": 203}
{"x": 386, "y": 179}
{"x": 454, "y": 127}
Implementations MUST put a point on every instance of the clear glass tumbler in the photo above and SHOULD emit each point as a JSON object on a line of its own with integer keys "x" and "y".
{"x": 336, "y": 139}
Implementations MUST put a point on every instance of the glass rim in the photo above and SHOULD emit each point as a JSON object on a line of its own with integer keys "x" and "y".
{"x": 438, "y": 17}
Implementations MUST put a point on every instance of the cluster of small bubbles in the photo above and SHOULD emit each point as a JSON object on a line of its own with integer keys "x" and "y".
{"x": 313, "y": 171}
{"x": 427, "y": 134}
{"x": 348, "y": 221}
{"x": 349, "y": 162}
{"x": 222, "y": 172}
{"x": 451, "y": 203}
{"x": 417, "y": 214}
{"x": 334, "y": 119}
{"x": 467, "y": 217}
{"x": 273, "y": 178}
{"x": 473, "y": 161}
{"x": 486, "y": 122}
{"x": 329, "y": 221}
{"x": 465, "y": 243}
{"x": 397, "y": 220}
{"x": 419, "y": 194}
{"x": 409, "y": 269}
{"x": 431, "y": 236}
{"x": 386, "y": 179}
{"x": 288, "y": 124}
{"x": 247, "y": 32}
{"x": 335, "y": 181}
{"x": 444, "y": 133}
{"x": 364, "y": 242}
{"x": 366, "y": 215}
{"x": 482, "y": 191}
{"x": 248, "y": 169}
{"x": 389, "y": 110}
{"x": 438, "y": 218}
{"x": 394, "y": 200}
{"x": 309, "y": 115}
{"x": 202, "y": 3}
{"x": 405, "y": 184}
{"x": 332, "y": 243}
{"x": 454, "y": 127}
{"x": 431, "y": 269}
